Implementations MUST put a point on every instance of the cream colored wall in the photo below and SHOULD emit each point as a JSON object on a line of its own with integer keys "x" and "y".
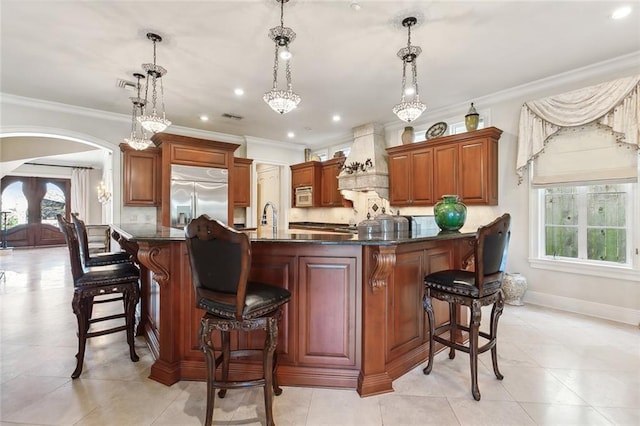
{"x": 602, "y": 296}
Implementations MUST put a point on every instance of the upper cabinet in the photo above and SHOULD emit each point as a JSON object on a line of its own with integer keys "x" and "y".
{"x": 141, "y": 177}
{"x": 307, "y": 174}
{"x": 465, "y": 164}
{"x": 330, "y": 195}
{"x": 409, "y": 183}
{"x": 242, "y": 185}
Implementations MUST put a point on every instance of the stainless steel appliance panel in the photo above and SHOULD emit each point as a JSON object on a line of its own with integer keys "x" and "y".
{"x": 211, "y": 198}
{"x": 196, "y": 191}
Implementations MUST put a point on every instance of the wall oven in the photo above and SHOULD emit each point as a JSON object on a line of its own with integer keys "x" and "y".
{"x": 304, "y": 196}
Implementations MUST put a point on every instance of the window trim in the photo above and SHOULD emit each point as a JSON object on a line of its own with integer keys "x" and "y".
{"x": 537, "y": 260}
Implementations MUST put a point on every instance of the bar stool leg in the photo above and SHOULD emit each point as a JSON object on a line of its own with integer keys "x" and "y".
{"x": 210, "y": 359}
{"x": 225, "y": 359}
{"x": 79, "y": 306}
{"x": 429, "y": 309}
{"x": 268, "y": 365}
{"x": 130, "y": 298}
{"x": 496, "y": 311}
{"x": 453, "y": 329}
{"x": 474, "y": 327}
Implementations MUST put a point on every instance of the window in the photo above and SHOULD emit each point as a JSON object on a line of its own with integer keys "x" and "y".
{"x": 586, "y": 200}
{"x": 589, "y": 222}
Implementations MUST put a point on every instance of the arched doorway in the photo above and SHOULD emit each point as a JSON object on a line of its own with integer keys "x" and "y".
{"x": 31, "y": 205}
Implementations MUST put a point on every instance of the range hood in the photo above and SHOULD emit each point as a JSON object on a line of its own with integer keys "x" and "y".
{"x": 368, "y": 150}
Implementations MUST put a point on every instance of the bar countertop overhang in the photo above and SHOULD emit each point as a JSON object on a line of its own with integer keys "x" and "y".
{"x": 136, "y": 232}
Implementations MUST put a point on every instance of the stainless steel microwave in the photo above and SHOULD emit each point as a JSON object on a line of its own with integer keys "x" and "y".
{"x": 304, "y": 196}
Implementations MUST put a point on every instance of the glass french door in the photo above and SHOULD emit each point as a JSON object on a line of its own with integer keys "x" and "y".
{"x": 30, "y": 205}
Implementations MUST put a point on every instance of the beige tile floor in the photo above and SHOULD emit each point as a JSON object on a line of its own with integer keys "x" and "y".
{"x": 559, "y": 368}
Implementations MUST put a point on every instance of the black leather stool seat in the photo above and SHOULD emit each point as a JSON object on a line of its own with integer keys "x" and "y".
{"x": 259, "y": 300}
{"x": 101, "y": 259}
{"x": 463, "y": 283}
{"x": 108, "y": 275}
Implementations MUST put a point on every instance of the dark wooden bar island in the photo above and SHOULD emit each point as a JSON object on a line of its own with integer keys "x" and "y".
{"x": 355, "y": 319}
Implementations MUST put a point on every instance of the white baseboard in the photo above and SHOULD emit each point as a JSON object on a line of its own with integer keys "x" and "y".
{"x": 594, "y": 309}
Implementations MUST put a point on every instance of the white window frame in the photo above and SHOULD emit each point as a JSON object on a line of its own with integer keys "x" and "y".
{"x": 537, "y": 258}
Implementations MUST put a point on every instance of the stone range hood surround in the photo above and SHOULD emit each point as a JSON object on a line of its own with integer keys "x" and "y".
{"x": 368, "y": 143}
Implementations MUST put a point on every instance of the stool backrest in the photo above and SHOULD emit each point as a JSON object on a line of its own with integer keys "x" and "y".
{"x": 83, "y": 240}
{"x": 220, "y": 259}
{"x": 492, "y": 242}
{"x": 71, "y": 237}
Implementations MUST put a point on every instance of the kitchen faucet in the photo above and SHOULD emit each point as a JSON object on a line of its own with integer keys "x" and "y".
{"x": 274, "y": 218}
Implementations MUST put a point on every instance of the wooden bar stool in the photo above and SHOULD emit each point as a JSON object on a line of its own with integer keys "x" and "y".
{"x": 120, "y": 279}
{"x": 98, "y": 259}
{"x": 474, "y": 289}
{"x": 220, "y": 259}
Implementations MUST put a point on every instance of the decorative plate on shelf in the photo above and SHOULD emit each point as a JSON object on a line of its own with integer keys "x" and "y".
{"x": 436, "y": 130}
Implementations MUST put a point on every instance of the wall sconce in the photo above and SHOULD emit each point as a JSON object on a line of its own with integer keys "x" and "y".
{"x": 104, "y": 196}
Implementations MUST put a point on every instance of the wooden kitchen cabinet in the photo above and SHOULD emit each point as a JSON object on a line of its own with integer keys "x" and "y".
{"x": 465, "y": 164}
{"x": 412, "y": 182}
{"x": 242, "y": 184}
{"x": 141, "y": 177}
{"x": 330, "y": 195}
{"x": 307, "y": 174}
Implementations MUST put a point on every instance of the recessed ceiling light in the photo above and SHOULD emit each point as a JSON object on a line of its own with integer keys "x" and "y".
{"x": 621, "y": 12}
{"x": 355, "y": 6}
{"x": 238, "y": 91}
{"x": 336, "y": 117}
{"x": 204, "y": 118}
{"x": 291, "y": 134}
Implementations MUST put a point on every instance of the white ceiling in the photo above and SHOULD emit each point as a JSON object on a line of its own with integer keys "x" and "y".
{"x": 344, "y": 60}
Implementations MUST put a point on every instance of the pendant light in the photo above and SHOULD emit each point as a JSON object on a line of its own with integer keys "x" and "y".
{"x": 409, "y": 110}
{"x": 153, "y": 122}
{"x": 138, "y": 139}
{"x": 282, "y": 101}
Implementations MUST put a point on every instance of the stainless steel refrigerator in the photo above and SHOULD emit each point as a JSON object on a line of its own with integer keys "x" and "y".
{"x": 196, "y": 191}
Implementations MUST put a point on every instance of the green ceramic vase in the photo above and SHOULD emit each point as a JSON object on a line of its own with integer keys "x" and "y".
{"x": 450, "y": 213}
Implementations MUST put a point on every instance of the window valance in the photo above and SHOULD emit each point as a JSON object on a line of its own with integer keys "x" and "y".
{"x": 615, "y": 104}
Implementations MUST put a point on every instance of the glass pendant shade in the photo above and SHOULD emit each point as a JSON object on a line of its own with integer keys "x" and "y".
{"x": 409, "y": 110}
{"x": 154, "y": 122}
{"x": 138, "y": 139}
{"x": 282, "y": 101}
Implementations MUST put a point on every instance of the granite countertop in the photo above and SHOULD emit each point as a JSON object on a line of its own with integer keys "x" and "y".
{"x": 151, "y": 232}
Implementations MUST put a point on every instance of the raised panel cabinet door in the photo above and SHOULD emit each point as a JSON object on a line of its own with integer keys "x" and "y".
{"x": 242, "y": 183}
{"x": 445, "y": 171}
{"x": 277, "y": 270}
{"x": 302, "y": 177}
{"x": 405, "y": 323}
{"x": 328, "y": 192}
{"x": 141, "y": 178}
{"x": 473, "y": 172}
{"x": 327, "y": 311}
{"x": 400, "y": 179}
{"x": 422, "y": 177}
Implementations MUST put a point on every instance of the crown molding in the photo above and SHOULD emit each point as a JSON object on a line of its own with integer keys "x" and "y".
{"x": 629, "y": 64}
{"x": 60, "y": 107}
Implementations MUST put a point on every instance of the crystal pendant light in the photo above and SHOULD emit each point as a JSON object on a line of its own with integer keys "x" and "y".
{"x": 282, "y": 101}
{"x": 409, "y": 110}
{"x": 153, "y": 122}
{"x": 138, "y": 139}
